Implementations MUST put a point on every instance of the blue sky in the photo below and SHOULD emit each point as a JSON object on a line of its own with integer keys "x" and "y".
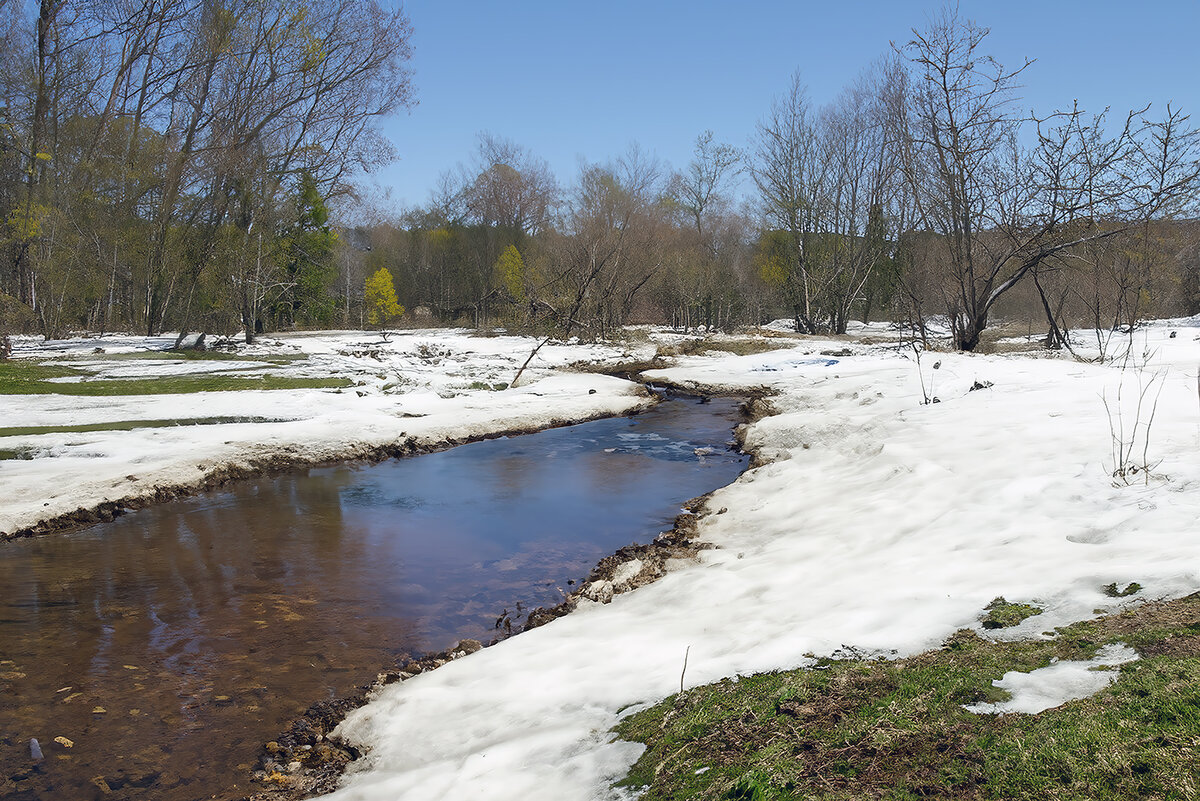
{"x": 576, "y": 81}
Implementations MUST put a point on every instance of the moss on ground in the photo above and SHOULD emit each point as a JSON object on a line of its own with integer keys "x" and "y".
{"x": 187, "y": 355}
{"x": 1002, "y": 615}
{"x": 845, "y": 729}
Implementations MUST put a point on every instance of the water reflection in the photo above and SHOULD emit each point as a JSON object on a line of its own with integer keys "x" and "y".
{"x": 167, "y": 645}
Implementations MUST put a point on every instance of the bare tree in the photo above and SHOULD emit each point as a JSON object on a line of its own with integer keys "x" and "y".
{"x": 612, "y": 245}
{"x": 861, "y": 211}
{"x": 788, "y": 167}
{"x": 828, "y": 197}
{"x": 511, "y": 188}
{"x": 708, "y": 245}
{"x": 1002, "y": 210}
{"x": 699, "y": 190}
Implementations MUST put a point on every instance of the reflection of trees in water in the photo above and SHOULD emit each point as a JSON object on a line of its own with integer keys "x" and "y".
{"x": 240, "y": 608}
{"x": 212, "y": 602}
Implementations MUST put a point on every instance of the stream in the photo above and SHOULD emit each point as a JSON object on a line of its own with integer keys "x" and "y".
{"x": 152, "y": 656}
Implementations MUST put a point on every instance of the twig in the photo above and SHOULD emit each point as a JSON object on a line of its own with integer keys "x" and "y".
{"x": 683, "y": 672}
{"x": 532, "y": 353}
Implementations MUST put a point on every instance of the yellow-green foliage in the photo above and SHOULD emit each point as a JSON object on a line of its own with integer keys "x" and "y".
{"x": 510, "y": 267}
{"x": 25, "y": 221}
{"x": 379, "y": 294}
{"x": 772, "y": 270}
{"x": 771, "y": 258}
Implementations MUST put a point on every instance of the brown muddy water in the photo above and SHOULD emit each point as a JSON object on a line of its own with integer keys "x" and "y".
{"x": 153, "y": 655}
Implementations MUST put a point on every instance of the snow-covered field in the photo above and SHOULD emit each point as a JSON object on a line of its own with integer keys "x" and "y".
{"x": 422, "y": 388}
{"x": 878, "y": 523}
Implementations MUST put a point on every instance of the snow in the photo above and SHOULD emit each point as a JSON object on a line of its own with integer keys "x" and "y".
{"x": 876, "y": 523}
{"x": 879, "y": 524}
{"x": 1048, "y": 687}
{"x": 422, "y": 388}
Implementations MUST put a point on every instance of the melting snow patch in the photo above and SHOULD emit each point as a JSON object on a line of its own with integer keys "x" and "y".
{"x": 1052, "y": 686}
{"x": 627, "y": 572}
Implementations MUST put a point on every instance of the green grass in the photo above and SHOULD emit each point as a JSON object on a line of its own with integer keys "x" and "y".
{"x": 1002, "y": 615}
{"x": 128, "y": 425}
{"x": 17, "y": 374}
{"x": 897, "y": 730}
{"x": 29, "y": 378}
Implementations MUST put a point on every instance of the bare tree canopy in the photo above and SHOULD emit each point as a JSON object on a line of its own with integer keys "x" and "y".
{"x": 145, "y": 140}
{"x": 1003, "y": 209}
{"x": 192, "y": 165}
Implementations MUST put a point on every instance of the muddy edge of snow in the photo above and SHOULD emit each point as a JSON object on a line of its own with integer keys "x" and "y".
{"x": 306, "y": 761}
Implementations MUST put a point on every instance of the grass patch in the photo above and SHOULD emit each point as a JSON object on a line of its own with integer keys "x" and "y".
{"x": 897, "y": 730}
{"x": 128, "y": 425}
{"x": 15, "y": 376}
{"x": 1002, "y": 615}
{"x": 30, "y": 378}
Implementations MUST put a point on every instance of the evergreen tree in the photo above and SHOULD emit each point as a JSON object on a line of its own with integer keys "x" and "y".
{"x": 305, "y": 250}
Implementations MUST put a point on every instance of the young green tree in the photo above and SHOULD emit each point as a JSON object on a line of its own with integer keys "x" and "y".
{"x": 510, "y": 269}
{"x": 379, "y": 297}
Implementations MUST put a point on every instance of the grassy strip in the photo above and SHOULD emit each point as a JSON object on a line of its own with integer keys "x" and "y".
{"x": 27, "y": 378}
{"x": 130, "y": 425}
{"x": 15, "y": 375}
{"x": 897, "y": 730}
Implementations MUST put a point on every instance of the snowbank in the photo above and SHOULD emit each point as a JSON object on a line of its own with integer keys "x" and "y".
{"x": 879, "y": 523}
{"x": 418, "y": 391}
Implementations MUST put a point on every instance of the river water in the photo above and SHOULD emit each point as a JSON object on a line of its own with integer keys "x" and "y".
{"x": 153, "y": 655}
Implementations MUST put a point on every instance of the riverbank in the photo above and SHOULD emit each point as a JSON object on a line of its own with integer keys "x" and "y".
{"x": 879, "y": 522}
{"x": 139, "y": 426}
{"x": 895, "y": 495}
{"x": 306, "y": 760}
{"x": 129, "y": 571}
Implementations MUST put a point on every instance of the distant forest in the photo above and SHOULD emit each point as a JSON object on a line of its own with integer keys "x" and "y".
{"x": 171, "y": 166}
